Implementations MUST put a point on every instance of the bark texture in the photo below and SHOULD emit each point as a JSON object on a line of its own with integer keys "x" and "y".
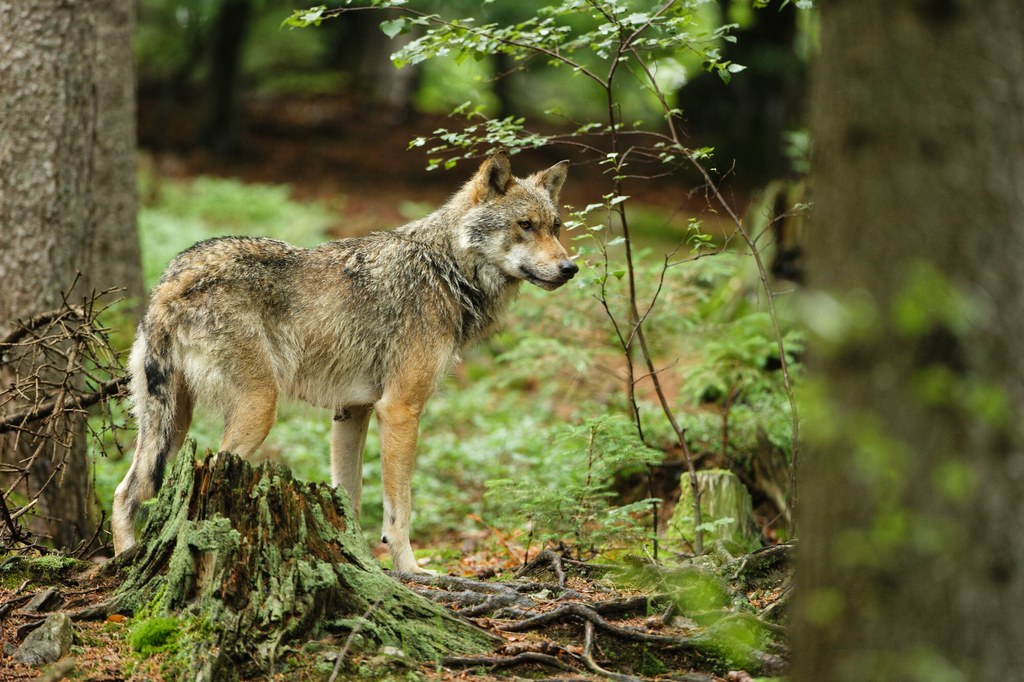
{"x": 47, "y": 143}
{"x": 267, "y": 561}
{"x": 912, "y": 512}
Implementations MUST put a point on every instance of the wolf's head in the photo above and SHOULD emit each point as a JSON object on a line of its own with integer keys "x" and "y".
{"x": 512, "y": 224}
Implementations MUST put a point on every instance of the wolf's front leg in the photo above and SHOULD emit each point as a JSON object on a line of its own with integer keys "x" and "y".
{"x": 399, "y": 421}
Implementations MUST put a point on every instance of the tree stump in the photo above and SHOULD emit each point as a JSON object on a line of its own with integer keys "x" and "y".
{"x": 726, "y": 510}
{"x": 260, "y": 560}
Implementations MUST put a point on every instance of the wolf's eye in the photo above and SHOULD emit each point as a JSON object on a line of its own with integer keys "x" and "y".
{"x": 526, "y": 225}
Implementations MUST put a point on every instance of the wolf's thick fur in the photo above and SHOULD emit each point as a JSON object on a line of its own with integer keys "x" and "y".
{"x": 357, "y": 325}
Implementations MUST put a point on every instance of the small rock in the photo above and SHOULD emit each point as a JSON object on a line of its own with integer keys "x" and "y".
{"x": 48, "y": 642}
{"x": 391, "y": 652}
{"x": 390, "y": 657}
{"x": 44, "y": 601}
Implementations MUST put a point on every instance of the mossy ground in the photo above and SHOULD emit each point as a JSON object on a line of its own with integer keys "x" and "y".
{"x": 49, "y": 569}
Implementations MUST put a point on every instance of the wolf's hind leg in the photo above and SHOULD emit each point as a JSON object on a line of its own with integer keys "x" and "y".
{"x": 249, "y": 419}
{"x": 348, "y": 440}
{"x": 162, "y": 431}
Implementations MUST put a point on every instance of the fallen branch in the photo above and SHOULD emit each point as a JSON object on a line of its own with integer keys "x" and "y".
{"x": 524, "y": 658}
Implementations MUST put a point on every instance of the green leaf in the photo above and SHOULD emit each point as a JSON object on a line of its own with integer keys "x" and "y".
{"x": 393, "y": 27}
{"x": 301, "y": 18}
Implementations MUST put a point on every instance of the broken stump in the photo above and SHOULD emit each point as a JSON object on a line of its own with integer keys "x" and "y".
{"x": 261, "y": 560}
{"x": 726, "y": 511}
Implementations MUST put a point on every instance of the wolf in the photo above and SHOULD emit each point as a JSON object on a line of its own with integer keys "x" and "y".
{"x": 358, "y": 326}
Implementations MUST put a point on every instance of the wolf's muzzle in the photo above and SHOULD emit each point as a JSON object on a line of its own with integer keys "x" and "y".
{"x": 567, "y": 269}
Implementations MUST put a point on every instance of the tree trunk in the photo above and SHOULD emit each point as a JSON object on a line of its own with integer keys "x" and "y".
{"x": 912, "y": 511}
{"x": 230, "y": 31}
{"x": 47, "y": 142}
{"x": 266, "y": 561}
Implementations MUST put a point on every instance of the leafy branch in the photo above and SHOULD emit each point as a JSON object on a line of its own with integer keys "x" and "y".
{"x": 626, "y": 42}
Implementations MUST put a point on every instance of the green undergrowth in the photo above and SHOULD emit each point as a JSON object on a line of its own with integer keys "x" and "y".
{"x": 705, "y": 592}
{"x": 176, "y": 213}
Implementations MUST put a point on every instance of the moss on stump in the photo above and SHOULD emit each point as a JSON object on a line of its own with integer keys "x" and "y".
{"x": 261, "y": 560}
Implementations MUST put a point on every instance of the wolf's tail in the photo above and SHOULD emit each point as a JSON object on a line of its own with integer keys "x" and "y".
{"x": 162, "y": 408}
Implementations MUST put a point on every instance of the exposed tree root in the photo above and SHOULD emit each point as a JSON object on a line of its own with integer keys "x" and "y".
{"x": 523, "y": 606}
{"x": 588, "y": 657}
{"x": 524, "y": 658}
{"x": 548, "y": 557}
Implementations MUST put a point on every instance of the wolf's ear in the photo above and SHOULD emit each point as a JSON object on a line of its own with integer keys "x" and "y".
{"x": 494, "y": 177}
{"x": 552, "y": 179}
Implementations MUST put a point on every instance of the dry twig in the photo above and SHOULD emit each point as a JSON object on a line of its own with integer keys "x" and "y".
{"x": 55, "y": 368}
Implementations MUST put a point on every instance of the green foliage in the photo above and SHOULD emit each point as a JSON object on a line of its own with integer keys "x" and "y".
{"x": 702, "y": 594}
{"x": 574, "y": 499}
{"x": 563, "y": 47}
{"x": 738, "y": 373}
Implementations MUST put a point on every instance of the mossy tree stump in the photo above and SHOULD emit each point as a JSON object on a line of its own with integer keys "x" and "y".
{"x": 726, "y": 510}
{"x": 259, "y": 560}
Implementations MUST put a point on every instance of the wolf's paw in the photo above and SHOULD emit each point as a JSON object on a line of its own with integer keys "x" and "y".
{"x": 415, "y": 569}
{"x": 425, "y": 571}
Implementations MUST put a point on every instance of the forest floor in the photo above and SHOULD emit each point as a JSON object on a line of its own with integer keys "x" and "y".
{"x": 556, "y": 620}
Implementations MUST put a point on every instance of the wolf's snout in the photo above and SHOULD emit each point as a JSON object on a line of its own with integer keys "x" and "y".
{"x": 567, "y": 269}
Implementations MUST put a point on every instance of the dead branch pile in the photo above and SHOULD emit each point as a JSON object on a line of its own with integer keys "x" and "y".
{"x": 58, "y": 373}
